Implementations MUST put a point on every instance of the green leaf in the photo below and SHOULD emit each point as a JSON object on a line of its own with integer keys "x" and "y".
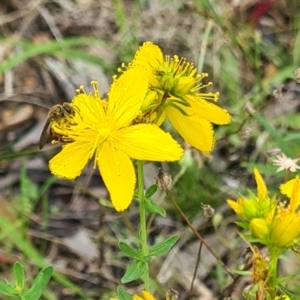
{"x": 288, "y": 293}
{"x": 31, "y": 50}
{"x": 28, "y": 188}
{"x": 122, "y": 294}
{"x": 19, "y": 275}
{"x": 163, "y": 247}
{"x": 127, "y": 250}
{"x": 290, "y": 121}
{"x": 154, "y": 208}
{"x": 12, "y": 231}
{"x": 8, "y": 290}
{"x": 134, "y": 271}
{"x": 151, "y": 191}
{"x": 39, "y": 284}
{"x": 242, "y": 224}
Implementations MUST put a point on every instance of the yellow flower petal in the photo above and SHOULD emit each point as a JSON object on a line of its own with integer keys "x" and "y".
{"x": 203, "y": 109}
{"x": 295, "y": 197}
{"x": 118, "y": 175}
{"x": 198, "y": 133}
{"x": 262, "y": 192}
{"x": 286, "y": 230}
{"x": 148, "y": 55}
{"x": 72, "y": 159}
{"x": 126, "y": 96}
{"x": 145, "y": 296}
{"x": 92, "y": 110}
{"x": 148, "y": 142}
{"x": 287, "y": 188}
{"x": 236, "y": 206}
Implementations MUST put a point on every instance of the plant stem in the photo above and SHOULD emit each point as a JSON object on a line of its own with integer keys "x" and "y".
{"x": 273, "y": 271}
{"x": 143, "y": 226}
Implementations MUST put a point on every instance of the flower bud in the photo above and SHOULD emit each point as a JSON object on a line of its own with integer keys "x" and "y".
{"x": 251, "y": 208}
{"x": 286, "y": 230}
{"x": 259, "y": 228}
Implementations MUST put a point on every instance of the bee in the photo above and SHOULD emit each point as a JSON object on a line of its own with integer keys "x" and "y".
{"x": 56, "y": 114}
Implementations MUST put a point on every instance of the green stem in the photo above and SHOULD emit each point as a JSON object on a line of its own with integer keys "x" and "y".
{"x": 143, "y": 226}
{"x": 274, "y": 255}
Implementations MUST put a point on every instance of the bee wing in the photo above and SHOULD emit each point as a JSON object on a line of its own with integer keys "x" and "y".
{"x": 44, "y": 135}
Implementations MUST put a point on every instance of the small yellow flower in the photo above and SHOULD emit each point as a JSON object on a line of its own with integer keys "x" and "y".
{"x": 104, "y": 130}
{"x": 144, "y": 296}
{"x": 286, "y": 226}
{"x": 175, "y": 93}
{"x": 260, "y": 206}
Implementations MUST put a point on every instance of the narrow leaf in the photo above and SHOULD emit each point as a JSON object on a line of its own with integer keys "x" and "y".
{"x": 39, "y": 284}
{"x": 154, "y": 208}
{"x": 8, "y": 290}
{"x": 288, "y": 293}
{"x": 151, "y": 191}
{"x": 127, "y": 250}
{"x": 19, "y": 275}
{"x": 134, "y": 271}
{"x": 122, "y": 294}
{"x": 163, "y": 247}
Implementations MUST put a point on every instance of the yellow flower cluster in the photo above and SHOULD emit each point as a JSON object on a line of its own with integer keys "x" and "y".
{"x": 273, "y": 223}
{"x": 112, "y": 132}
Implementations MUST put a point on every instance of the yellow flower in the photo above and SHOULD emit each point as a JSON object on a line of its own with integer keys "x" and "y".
{"x": 103, "y": 130}
{"x": 145, "y": 296}
{"x": 175, "y": 93}
{"x": 260, "y": 206}
{"x": 286, "y": 226}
